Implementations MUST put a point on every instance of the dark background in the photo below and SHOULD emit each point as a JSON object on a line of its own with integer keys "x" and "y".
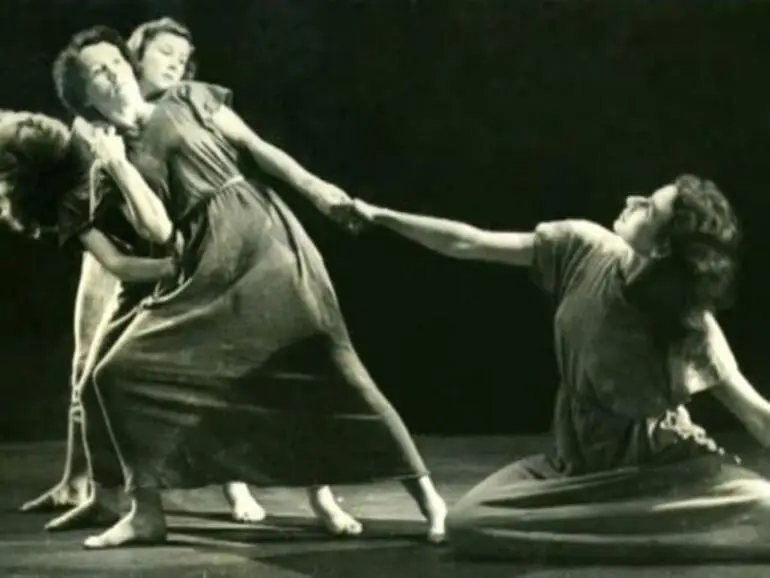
{"x": 499, "y": 112}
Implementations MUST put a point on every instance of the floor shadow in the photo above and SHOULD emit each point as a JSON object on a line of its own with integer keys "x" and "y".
{"x": 295, "y": 529}
{"x": 392, "y": 561}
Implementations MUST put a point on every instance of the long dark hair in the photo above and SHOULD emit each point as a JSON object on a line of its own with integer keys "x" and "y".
{"x": 39, "y": 165}
{"x": 699, "y": 272}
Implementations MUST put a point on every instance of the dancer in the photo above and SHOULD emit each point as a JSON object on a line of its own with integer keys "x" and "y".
{"x": 245, "y": 366}
{"x": 632, "y": 476}
{"x": 162, "y": 50}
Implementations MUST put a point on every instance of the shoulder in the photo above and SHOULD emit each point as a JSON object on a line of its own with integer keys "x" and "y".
{"x": 578, "y": 232}
{"x": 195, "y": 92}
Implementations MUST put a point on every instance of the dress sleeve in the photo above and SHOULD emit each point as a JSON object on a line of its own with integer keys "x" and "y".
{"x": 560, "y": 251}
{"x": 75, "y": 215}
{"x": 203, "y": 99}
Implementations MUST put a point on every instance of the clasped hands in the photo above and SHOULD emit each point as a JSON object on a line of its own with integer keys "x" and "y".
{"x": 103, "y": 142}
{"x": 354, "y": 215}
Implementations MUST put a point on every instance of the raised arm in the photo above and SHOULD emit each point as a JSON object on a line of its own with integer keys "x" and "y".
{"x": 125, "y": 267}
{"x": 144, "y": 209}
{"x": 454, "y": 239}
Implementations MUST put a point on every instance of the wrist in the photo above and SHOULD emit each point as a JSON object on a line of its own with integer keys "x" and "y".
{"x": 380, "y": 214}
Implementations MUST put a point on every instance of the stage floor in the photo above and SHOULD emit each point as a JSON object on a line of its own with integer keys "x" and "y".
{"x": 203, "y": 543}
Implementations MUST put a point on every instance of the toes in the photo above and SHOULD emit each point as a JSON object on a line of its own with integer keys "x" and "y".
{"x": 249, "y": 516}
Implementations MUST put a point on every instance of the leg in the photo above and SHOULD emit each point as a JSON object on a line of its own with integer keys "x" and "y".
{"x": 97, "y": 508}
{"x": 327, "y": 509}
{"x": 75, "y": 485}
{"x": 245, "y": 508}
{"x": 144, "y": 524}
{"x": 421, "y": 488}
{"x": 95, "y": 298}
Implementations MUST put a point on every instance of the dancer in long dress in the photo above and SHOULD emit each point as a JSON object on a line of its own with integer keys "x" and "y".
{"x": 162, "y": 50}
{"x": 632, "y": 476}
{"x": 244, "y": 369}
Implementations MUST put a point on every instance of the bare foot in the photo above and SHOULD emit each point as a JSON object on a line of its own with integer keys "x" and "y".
{"x": 243, "y": 505}
{"x": 68, "y": 492}
{"x": 436, "y": 514}
{"x": 90, "y": 513}
{"x": 431, "y": 505}
{"x": 336, "y": 520}
{"x": 144, "y": 524}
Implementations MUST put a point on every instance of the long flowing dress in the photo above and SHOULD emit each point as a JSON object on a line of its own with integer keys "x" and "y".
{"x": 102, "y": 303}
{"x": 244, "y": 369}
{"x": 631, "y": 476}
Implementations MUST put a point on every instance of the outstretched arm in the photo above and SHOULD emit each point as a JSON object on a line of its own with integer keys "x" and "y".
{"x": 276, "y": 162}
{"x": 125, "y": 267}
{"x": 453, "y": 238}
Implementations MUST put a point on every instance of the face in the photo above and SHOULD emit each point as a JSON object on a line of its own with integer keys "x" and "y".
{"x": 164, "y": 62}
{"x": 110, "y": 82}
{"x": 643, "y": 218}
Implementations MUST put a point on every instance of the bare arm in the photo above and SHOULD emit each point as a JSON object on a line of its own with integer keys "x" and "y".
{"x": 274, "y": 161}
{"x": 126, "y": 268}
{"x": 144, "y": 209}
{"x": 734, "y": 391}
{"x": 455, "y": 239}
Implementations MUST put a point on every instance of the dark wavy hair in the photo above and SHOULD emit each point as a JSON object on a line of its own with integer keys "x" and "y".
{"x": 69, "y": 76}
{"x": 145, "y": 33}
{"x": 39, "y": 165}
{"x": 699, "y": 272}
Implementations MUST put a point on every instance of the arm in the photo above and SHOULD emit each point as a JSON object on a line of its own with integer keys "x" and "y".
{"x": 455, "y": 239}
{"x": 144, "y": 209}
{"x": 743, "y": 401}
{"x": 732, "y": 388}
{"x": 274, "y": 161}
{"x": 126, "y": 268}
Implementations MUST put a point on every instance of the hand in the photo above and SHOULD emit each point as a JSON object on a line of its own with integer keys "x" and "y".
{"x": 328, "y": 197}
{"x": 364, "y": 210}
{"x": 103, "y": 142}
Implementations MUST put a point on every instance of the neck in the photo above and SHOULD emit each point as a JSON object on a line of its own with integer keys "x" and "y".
{"x": 635, "y": 264}
{"x": 130, "y": 116}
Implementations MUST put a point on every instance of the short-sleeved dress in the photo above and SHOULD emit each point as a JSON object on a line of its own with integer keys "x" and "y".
{"x": 631, "y": 476}
{"x": 244, "y": 369}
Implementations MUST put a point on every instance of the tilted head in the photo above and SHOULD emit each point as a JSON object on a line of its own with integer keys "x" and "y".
{"x": 37, "y": 166}
{"x": 691, "y": 236}
{"x": 95, "y": 75}
{"x": 163, "y": 52}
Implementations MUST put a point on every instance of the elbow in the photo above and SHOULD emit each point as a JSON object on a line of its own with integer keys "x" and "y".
{"x": 160, "y": 233}
{"x": 464, "y": 250}
{"x": 467, "y": 246}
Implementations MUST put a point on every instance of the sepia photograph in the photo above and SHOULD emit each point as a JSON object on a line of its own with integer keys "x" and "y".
{"x": 384, "y": 288}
